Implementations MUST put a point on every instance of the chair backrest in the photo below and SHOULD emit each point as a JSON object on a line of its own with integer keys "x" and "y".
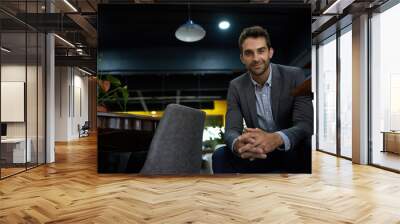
{"x": 86, "y": 125}
{"x": 177, "y": 142}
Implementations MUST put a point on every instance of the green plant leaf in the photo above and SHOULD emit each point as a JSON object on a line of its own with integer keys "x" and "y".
{"x": 115, "y": 95}
{"x": 114, "y": 81}
{"x": 125, "y": 96}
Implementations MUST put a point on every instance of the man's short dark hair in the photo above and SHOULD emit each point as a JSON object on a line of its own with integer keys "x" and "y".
{"x": 254, "y": 32}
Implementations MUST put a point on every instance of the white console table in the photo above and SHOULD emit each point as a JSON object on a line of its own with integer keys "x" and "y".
{"x": 18, "y": 149}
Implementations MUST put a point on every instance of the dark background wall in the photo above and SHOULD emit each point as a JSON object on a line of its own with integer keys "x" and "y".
{"x": 141, "y": 37}
{"x": 138, "y": 43}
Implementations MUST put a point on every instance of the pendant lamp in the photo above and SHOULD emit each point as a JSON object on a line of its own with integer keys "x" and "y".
{"x": 190, "y": 31}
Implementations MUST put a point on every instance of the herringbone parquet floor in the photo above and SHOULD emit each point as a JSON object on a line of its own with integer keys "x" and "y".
{"x": 71, "y": 191}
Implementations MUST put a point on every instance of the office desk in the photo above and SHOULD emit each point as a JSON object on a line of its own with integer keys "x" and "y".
{"x": 391, "y": 141}
{"x": 123, "y": 141}
{"x": 13, "y": 150}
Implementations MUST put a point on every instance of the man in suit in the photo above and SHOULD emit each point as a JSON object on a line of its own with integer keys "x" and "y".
{"x": 279, "y": 125}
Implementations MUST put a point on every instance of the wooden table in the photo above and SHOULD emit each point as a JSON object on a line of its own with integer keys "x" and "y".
{"x": 15, "y": 150}
{"x": 391, "y": 141}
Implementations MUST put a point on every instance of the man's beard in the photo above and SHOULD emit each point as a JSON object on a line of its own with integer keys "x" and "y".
{"x": 260, "y": 72}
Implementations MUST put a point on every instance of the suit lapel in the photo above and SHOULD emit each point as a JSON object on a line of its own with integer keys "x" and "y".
{"x": 276, "y": 87}
{"x": 251, "y": 101}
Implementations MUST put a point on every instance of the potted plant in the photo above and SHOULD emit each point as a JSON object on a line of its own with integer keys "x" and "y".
{"x": 212, "y": 137}
{"x": 110, "y": 91}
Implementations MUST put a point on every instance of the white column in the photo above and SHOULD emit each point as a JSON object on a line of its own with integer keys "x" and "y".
{"x": 360, "y": 90}
{"x": 50, "y": 92}
{"x": 50, "y": 100}
{"x": 314, "y": 90}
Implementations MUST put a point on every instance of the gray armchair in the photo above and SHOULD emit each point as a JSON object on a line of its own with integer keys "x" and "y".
{"x": 177, "y": 142}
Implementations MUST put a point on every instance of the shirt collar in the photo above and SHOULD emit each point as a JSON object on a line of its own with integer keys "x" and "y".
{"x": 269, "y": 81}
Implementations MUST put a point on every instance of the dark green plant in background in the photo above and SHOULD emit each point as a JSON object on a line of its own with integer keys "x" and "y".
{"x": 111, "y": 91}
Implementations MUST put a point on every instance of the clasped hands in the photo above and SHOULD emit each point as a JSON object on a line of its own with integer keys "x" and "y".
{"x": 255, "y": 143}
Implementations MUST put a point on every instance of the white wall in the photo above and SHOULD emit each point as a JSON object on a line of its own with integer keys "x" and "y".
{"x": 33, "y": 127}
{"x": 10, "y": 73}
{"x": 71, "y": 102}
{"x": 81, "y": 104}
{"x": 16, "y": 72}
{"x": 61, "y": 103}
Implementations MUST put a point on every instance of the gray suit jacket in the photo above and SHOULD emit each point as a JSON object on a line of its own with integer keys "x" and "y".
{"x": 292, "y": 115}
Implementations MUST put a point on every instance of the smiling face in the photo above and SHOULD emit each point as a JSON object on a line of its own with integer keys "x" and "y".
{"x": 256, "y": 55}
